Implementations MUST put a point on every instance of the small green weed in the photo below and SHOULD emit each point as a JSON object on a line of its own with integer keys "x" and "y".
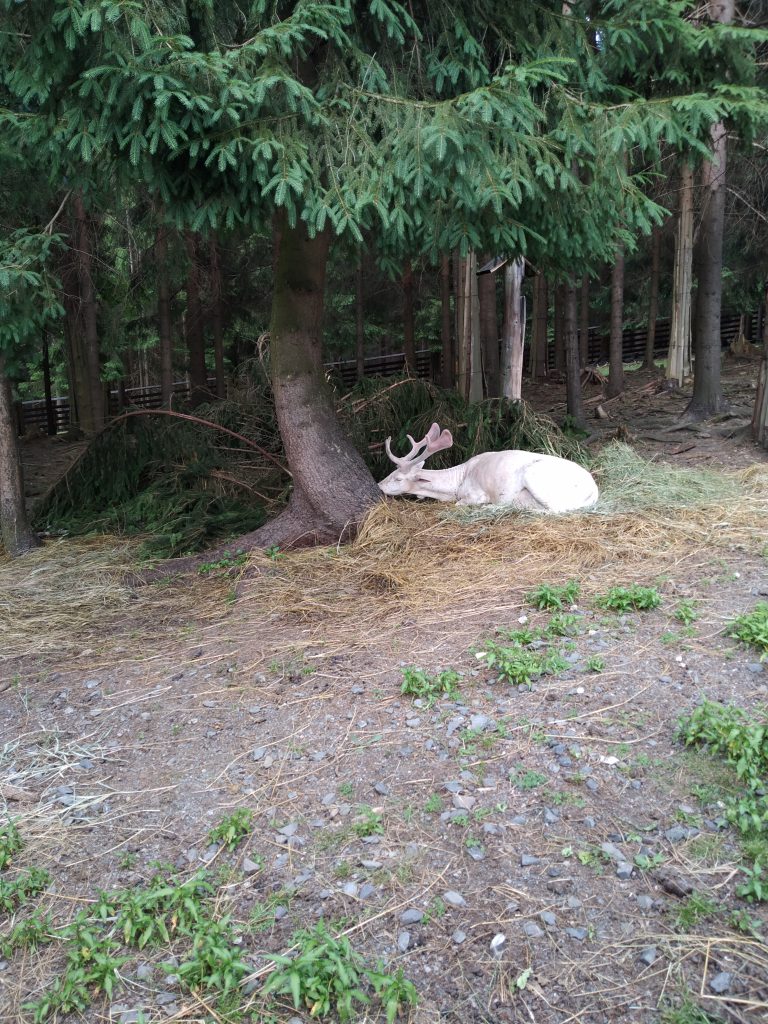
{"x": 646, "y": 862}
{"x": 434, "y": 804}
{"x": 686, "y": 1012}
{"x": 328, "y": 976}
{"x": 752, "y": 627}
{"x": 430, "y": 688}
{"x": 564, "y": 624}
{"x": 368, "y": 823}
{"x": 527, "y": 780}
{"x": 629, "y": 599}
{"x": 15, "y": 893}
{"x": 10, "y": 843}
{"x": 550, "y": 598}
{"x": 215, "y": 960}
{"x": 233, "y": 829}
{"x": 517, "y": 666}
{"x": 346, "y": 789}
{"x": 30, "y": 933}
{"x": 595, "y": 663}
{"x": 696, "y": 908}
{"x": 686, "y": 612}
{"x": 227, "y": 561}
{"x": 755, "y": 887}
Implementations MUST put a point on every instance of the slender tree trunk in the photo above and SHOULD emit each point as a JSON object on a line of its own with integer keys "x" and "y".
{"x": 446, "y": 334}
{"x": 89, "y": 319}
{"x": 489, "y": 333}
{"x": 359, "y": 319}
{"x": 476, "y": 352}
{"x": 409, "y": 328}
{"x": 50, "y": 411}
{"x": 164, "y": 329}
{"x": 217, "y": 319}
{"x": 513, "y": 330}
{"x": 653, "y": 299}
{"x": 463, "y": 332}
{"x": 583, "y": 325}
{"x": 560, "y": 328}
{"x": 616, "y": 343}
{"x": 198, "y": 377}
{"x": 760, "y": 414}
{"x": 679, "y": 354}
{"x": 15, "y": 531}
{"x": 575, "y": 403}
{"x": 538, "y": 366}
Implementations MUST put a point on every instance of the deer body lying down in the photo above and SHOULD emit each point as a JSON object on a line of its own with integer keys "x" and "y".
{"x": 523, "y": 479}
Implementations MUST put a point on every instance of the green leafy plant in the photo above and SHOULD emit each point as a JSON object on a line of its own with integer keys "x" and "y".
{"x": 430, "y": 688}
{"x": 752, "y": 627}
{"x": 233, "y": 829}
{"x": 564, "y": 624}
{"x": 518, "y": 666}
{"x": 215, "y": 960}
{"x": 154, "y": 914}
{"x": 694, "y": 909}
{"x": 686, "y": 612}
{"x": 227, "y": 561}
{"x": 551, "y": 598}
{"x": 368, "y": 823}
{"x": 629, "y": 599}
{"x": 328, "y": 976}
{"x": 527, "y": 780}
{"x": 10, "y": 843}
{"x": 595, "y": 663}
{"x": 29, "y": 933}
{"x": 434, "y": 804}
{"x": 15, "y": 892}
{"x": 755, "y": 887}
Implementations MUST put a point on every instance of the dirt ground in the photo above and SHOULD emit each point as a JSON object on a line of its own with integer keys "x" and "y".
{"x": 550, "y": 854}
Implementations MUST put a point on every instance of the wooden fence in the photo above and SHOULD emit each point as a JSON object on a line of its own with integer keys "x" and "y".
{"x": 33, "y": 414}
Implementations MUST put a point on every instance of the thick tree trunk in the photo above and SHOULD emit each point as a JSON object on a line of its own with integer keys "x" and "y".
{"x": 708, "y": 398}
{"x": 359, "y": 319}
{"x": 409, "y": 327}
{"x": 616, "y": 343}
{"x": 583, "y": 324}
{"x": 198, "y": 376}
{"x": 489, "y": 332}
{"x": 217, "y": 319}
{"x": 513, "y": 330}
{"x": 164, "y": 328}
{"x": 760, "y": 414}
{"x": 446, "y": 334}
{"x": 15, "y": 532}
{"x": 679, "y": 354}
{"x": 575, "y": 404}
{"x": 559, "y": 328}
{"x": 50, "y": 411}
{"x": 653, "y": 299}
{"x": 90, "y": 361}
{"x": 538, "y": 366}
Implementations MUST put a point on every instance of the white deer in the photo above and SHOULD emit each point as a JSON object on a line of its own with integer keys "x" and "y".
{"x": 529, "y": 480}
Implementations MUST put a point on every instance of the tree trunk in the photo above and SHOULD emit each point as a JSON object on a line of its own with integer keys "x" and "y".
{"x": 475, "y": 350}
{"x": 217, "y": 319}
{"x": 198, "y": 377}
{"x": 15, "y": 532}
{"x": 463, "y": 338}
{"x": 708, "y": 398}
{"x": 409, "y": 329}
{"x": 513, "y": 330}
{"x": 653, "y": 299}
{"x": 89, "y": 337}
{"x": 446, "y": 334}
{"x": 538, "y": 365}
{"x": 164, "y": 330}
{"x": 575, "y": 403}
{"x": 50, "y": 411}
{"x": 489, "y": 332}
{"x": 679, "y": 354}
{"x": 616, "y": 343}
{"x": 359, "y": 319}
{"x": 583, "y": 325}
{"x": 760, "y": 414}
{"x": 560, "y": 328}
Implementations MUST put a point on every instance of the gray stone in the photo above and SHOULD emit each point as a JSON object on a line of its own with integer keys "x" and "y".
{"x": 480, "y": 722}
{"x": 532, "y": 930}
{"x": 366, "y": 890}
{"x": 527, "y": 860}
{"x": 519, "y": 819}
{"x": 498, "y": 942}
{"x": 756, "y": 666}
{"x": 721, "y": 982}
{"x": 164, "y": 998}
{"x": 624, "y": 870}
{"x": 548, "y": 918}
{"x": 381, "y": 788}
{"x": 589, "y": 822}
{"x": 371, "y": 865}
{"x": 144, "y": 972}
{"x": 648, "y": 955}
{"x": 477, "y": 853}
{"x": 250, "y": 867}
{"x": 289, "y": 830}
{"x": 403, "y": 941}
{"x": 458, "y": 937}
{"x": 676, "y": 834}
{"x": 411, "y": 916}
{"x": 350, "y": 888}
{"x": 258, "y": 753}
{"x": 591, "y": 785}
{"x": 550, "y": 816}
{"x": 613, "y": 852}
{"x": 644, "y": 901}
{"x": 454, "y": 899}
{"x": 579, "y": 934}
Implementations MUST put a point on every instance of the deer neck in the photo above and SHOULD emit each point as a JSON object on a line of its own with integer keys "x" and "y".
{"x": 441, "y": 484}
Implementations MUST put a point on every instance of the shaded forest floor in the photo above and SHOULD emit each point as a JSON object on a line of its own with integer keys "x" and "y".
{"x": 547, "y": 852}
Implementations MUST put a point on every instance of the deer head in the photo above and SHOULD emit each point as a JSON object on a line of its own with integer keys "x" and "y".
{"x": 401, "y": 481}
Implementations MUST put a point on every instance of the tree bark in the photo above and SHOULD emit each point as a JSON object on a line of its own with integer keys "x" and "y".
{"x": 679, "y": 354}
{"x": 198, "y": 376}
{"x": 760, "y": 413}
{"x": 409, "y": 328}
{"x": 708, "y": 398}
{"x": 559, "y": 328}
{"x": 50, "y": 411}
{"x": 575, "y": 403}
{"x": 653, "y": 299}
{"x": 513, "y": 330}
{"x": 583, "y": 325}
{"x": 475, "y": 350}
{"x": 489, "y": 332}
{"x": 217, "y": 319}
{"x": 359, "y": 319}
{"x": 616, "y": 343}
{"x": 446, "y": 334}
{"x": 463, "y": 333}
{"x": 15, "y": 531}
{"x": 538, "y": 366}
{"x": 90, "y": 360}
{"x": 164, "y": 329}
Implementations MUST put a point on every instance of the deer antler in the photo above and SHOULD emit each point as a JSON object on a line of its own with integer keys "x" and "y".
{"x": 434, "y": 441}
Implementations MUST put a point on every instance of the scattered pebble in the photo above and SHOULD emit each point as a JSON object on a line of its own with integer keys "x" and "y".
{"x": 721, "y": 982}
